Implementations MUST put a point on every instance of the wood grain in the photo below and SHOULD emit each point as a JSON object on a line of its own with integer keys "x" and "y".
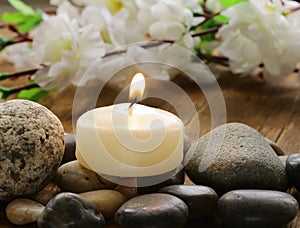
{"x": 272, "y": 107}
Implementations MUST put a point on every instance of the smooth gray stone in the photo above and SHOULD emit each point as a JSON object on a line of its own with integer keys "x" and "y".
{"x": 244, "y": 161}
{"x": 153, "y": 210}
{"x": 293, "y": 169}
{"x": 201, "y": 200}
{"x": 68, "y": 210}
{"x": 31, "y": 148}
{"x": 257, "y": 208}
{"x": 73, "y": 177}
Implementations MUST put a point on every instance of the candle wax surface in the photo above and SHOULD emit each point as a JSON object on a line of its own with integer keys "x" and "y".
{"x": 143, "y": 141}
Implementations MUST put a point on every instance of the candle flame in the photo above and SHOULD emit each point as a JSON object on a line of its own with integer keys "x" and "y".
{"x": 137, "y": 87}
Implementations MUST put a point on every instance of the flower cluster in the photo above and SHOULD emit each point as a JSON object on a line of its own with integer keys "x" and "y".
{"x": 246, "y": 34}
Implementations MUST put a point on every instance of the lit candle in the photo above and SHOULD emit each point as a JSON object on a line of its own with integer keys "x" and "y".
{"x": 130, "y": 140}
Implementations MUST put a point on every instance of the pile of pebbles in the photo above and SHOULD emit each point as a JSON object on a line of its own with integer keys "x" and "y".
{"x": 244, "y": 185}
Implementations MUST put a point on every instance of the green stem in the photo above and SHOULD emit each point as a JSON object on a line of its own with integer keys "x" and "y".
{"x": 18, "y": 74}
{"x": 149, "y": 45}
{"x": 9, "y": 91}
{"x": 205, "y": 32}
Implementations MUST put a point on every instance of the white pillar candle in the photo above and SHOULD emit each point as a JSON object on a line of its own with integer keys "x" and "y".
{"x": 137, "y": 141}
{"x": 149, "y": 142}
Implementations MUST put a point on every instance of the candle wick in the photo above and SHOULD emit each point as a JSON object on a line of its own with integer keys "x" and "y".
{"x": 133, "y": 102}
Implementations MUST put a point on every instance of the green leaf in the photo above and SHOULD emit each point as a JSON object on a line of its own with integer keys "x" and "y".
{"x": 228, "y": 3}
{"x": 30, "y": 23}
{"x": 13, "y": 18}
{"x": 22, "y": 7}
{"x": 34, "y": 94}
{"x": 23, "y": 22}
{"x": 221, "y": 19}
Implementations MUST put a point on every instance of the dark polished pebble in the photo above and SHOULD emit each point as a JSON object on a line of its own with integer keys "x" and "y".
{"x": 153, "y": 210}
{"x": 257, "y": 208}
{"x": 293, "y": 169}
{"x": 201, "y": 200}
{"x": 70, "y": 147}
{"x": 68, "y": 210}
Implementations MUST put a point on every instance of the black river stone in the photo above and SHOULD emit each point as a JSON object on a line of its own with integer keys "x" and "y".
{"x": 68, "y": 210}
{"x": 293, "y": 169}
{"x": 201, "y": 200}
{"x": 153, "y": 210}
{"x": 257, "y": 208}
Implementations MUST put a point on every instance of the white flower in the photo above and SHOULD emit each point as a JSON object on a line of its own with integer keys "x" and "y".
{"x": 66, "y": 7}
{"x": 139, "y": 20}
{"x": 172, "y": 22}
{"x": 259, "y": 32}
{"x": 21, "y": 55}
{"x": 67, "y": 49}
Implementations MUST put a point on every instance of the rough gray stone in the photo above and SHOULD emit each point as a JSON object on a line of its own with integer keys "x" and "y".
{"x": 153, "y": 210}
{"x": 257, "y": 208}
{"x": 31, "y": 147}
{"x": 244, "y": 161}
{"x": 201, "y": 200}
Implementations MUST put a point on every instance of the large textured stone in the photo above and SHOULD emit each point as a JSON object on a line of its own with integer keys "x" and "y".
{"x": 244, "y": 161}
{"x": 31, "y": 147}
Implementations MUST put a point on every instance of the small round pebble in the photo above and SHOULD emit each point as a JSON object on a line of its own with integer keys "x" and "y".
{"x": 69, "y": 210}
{"x": 293, "y": 169}
{"x": 73, "y": 177}
{"x": 153, "y": 210}
{"x": 107, "y": 201}
{"x": 31, "y": 148}
{"x": 23, "y": 211}
{"x": 257, "y": 208}
{"x": 201, "y": 200}
{"x": 244, "y": 161}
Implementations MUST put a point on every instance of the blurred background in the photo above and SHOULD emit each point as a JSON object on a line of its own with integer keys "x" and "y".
{"x": 5, "y": 6}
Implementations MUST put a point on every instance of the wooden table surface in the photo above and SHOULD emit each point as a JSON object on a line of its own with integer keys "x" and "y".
{"x": 271, "y": 107}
